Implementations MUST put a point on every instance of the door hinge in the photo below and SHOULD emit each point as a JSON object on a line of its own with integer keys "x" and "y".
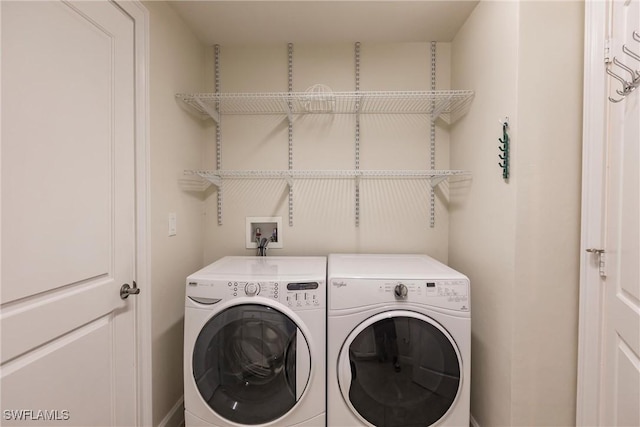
{"x": 607, "y": 51}
{"x": 601, "y": 260}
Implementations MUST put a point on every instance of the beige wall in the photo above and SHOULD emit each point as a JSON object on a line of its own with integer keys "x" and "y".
{"x": 482, "y": 212}
{"x": 394, "y": 214}
{"x": 519, "y": 241}
{"x": 177, "y": 64}
{"x": 548, "y": 213}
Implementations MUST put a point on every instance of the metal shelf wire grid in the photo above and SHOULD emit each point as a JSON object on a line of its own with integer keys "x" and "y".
{"x": 446, "y": 104}
{"x": 434, "y": 176}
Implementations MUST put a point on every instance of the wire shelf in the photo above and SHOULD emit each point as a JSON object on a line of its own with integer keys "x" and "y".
{"x": 446, "y": 104}
{"x": 434, "y": 176}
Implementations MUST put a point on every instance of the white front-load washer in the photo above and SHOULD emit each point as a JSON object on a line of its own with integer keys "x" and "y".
{"x": 254, "y": 342}
{"x": 399, "y": 342}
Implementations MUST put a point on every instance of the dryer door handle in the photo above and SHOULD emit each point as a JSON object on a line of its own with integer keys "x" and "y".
{"x": 346, "y": 373}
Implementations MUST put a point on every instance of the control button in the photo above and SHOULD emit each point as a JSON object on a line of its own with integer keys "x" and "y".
{"x": 400, "y": 291}
{"x": 251, "y": 289}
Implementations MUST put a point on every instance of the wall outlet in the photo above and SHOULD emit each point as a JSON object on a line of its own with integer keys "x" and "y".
{"x": 269, "y": 227}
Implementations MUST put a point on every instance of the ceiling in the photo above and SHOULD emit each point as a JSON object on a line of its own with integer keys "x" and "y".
{"x": 240, "y": 22}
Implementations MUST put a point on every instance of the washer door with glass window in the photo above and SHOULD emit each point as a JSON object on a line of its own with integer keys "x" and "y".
{"x": 251, "y": 364}
{"x": 400, "y": 368}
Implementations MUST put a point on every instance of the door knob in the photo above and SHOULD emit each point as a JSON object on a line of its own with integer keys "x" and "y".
{"x": 126, "y": 290}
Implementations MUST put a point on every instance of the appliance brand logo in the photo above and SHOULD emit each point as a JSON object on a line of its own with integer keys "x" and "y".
{"x": 339, "y": 284}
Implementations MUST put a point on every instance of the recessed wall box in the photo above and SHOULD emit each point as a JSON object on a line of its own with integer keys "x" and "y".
{"x": 268, "y": 227}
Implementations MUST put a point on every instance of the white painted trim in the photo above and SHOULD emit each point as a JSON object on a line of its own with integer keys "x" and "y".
{"x": 593, "y": 197}
{"x": 0, "y": 147}
{"x": 140, "y": 16}
{"x": 175, "y": 416}
{"x": 144, "y": 407}
{"x": 472, "y": 421}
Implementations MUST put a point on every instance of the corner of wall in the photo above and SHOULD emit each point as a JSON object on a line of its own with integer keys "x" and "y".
{"x": 482, "y": 210}
{"x": 550, "y": 87}
{"x": 177, "y": 64}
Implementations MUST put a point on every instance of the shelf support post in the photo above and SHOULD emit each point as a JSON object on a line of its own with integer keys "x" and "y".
{"x": 216, "y": 51}
{"x": 357, "y": 142}
{"x": 290, "y": 134}
{"x": 432, "y": 140}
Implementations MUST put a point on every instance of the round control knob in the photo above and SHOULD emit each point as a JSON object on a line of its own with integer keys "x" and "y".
{"x": 400, "y": 291}
{"x": 251, "y": 289}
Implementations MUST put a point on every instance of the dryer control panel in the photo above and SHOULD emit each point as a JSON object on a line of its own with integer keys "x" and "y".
{"x": 297, "y": 295}
{"x": 450, "y": 294}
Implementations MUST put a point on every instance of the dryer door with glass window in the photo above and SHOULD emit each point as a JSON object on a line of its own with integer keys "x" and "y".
{"x": 251, "y": 364}
{"x": 400, "y": 368}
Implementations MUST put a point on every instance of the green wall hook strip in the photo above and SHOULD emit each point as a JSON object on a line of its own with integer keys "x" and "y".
{"x": 504, "y": 148}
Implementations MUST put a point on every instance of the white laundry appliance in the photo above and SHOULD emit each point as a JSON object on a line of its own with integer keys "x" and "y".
{"x": 254, "y": 342}
{"x": 399, "y": 342}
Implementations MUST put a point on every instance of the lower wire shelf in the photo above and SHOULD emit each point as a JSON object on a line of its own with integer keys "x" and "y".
{"x": 434, "y": 177}
{"x": 200, "y": 180}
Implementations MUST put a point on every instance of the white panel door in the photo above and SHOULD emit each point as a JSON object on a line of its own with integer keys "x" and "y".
{"x": 621, "y": 353}
{"x": 68, "y": 231}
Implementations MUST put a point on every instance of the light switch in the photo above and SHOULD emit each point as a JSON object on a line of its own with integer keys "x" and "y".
{"x": 172, "y": 224}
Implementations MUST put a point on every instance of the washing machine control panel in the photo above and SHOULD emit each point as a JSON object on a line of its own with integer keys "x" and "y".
{"x": 302, "y": 295}
{"x": 297, "y": 295}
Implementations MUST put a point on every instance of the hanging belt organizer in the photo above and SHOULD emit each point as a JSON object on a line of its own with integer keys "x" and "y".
{"x": 505, "y": 150}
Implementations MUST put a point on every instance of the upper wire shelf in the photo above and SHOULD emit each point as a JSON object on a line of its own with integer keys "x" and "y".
{"x": 446, "y": 104}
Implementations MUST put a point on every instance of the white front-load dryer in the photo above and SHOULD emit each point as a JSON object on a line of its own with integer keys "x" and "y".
{"x": 399, "y": 342}
{"x": 254, "y": 342}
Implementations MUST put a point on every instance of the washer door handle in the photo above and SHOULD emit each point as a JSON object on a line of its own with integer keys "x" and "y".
{"x": 303, "y": 364}
{"x": 205, "y": 301}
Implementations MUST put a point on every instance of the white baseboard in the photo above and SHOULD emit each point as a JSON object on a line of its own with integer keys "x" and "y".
{"x": 473, "y": 422}
{"x": 175, "y": 416}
